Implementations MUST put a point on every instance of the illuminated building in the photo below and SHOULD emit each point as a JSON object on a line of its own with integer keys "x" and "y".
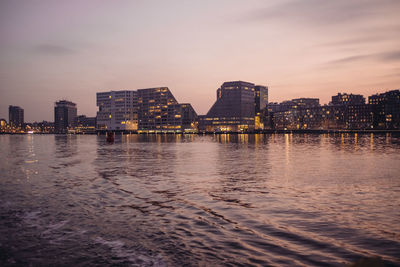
{"x": 386, "y": 110}
{"x": 3, "y": 125}
{"x": 312, "y": 118}
{"x": 234, "y": 110}
{"x": 43, "y": 127}
{"x": 359, "y": 117}
{"x": 117, "y": 110}
{"x": 86, "y": 124}
{"x": 347, "y": 99}
{"x": 16, "y": 116}
{"x": 160, "y": 112}
{"x": 144, "y": 110}
{"x": 260, "y": 104}
{"x": 64, "y": 116}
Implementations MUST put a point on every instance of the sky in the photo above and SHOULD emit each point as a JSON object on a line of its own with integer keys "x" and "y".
{"x": 52, "y": 50}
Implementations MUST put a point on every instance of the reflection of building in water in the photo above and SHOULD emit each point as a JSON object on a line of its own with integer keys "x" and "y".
{"x": 64, "y": 116}
{"x": 144, "y": 110}
{"x": 238, "y": 104}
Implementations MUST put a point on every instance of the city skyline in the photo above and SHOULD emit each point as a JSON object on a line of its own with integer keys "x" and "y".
{"x": 272, "y": 103}
{"x": 71, "y": 50}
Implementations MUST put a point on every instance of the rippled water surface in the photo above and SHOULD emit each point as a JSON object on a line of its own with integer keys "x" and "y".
{"x": 188, "y": 200}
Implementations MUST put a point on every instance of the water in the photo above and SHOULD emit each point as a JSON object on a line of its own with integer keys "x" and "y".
{"x": 188, "y": 200}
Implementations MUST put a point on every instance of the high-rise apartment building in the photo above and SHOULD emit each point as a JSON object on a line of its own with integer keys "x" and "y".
{"x": 16, "y": 116}
{"x": 144, "y": 110}
{"x": 64, "y": 116}
{"x": 117, "y": 110}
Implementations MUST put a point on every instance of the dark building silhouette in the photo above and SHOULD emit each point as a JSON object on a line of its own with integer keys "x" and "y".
{"x": 261, "y": 107}
{"x": 16, "y": 117}
{"x": 347, "y": 99}
{"x": 359, "y": 117}
{"x": 386, "y": 110}
{"x": 299, "y": 103}
{"x": 234, "y": 109}
{"x": 85, "y": 124}
{"x": 144, "y": 110}
{"x": 316, "y": 118}
{"x": 64, "y": 116}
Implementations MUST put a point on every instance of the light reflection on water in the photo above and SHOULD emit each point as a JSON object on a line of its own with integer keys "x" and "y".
{"x": 167, "y": 200}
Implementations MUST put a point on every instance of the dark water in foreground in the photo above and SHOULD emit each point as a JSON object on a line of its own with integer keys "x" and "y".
{"x": 174, "y": 200}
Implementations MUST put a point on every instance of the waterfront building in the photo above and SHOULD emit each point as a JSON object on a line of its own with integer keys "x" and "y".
{"x": 15, "y": 117}
{"x": 311, "y": 118}
{"x": 85, "y": 124}
{"x": 144, "y": 110}
{"x": 261, "y": 106}
{"x": 64, "y": 116}
{"x": 359, "y": 117}
{"x": 117, "y": 110}
{"x": 234, "y": 109}
{"x": 43, "y": 127}
{"x": 347, "y": 99}
{"x": 386, "y": 110}
{"x": 159, "y": 111}
{"x": 3, "y": 125}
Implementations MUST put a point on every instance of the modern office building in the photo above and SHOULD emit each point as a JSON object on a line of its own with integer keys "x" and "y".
{"x": 16, "y": 117}
{"x": 234, "y": 109}
{"x": 118, "y": 110}
{"x": 64, "y": 116}
{"x": 144, "y": 110}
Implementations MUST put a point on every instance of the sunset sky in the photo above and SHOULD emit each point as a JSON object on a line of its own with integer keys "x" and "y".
{"x": 52, "y": 50}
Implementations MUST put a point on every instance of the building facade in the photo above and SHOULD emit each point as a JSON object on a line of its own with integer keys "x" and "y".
{"x": 261, "y": 106}
{"x": 144, "y": 110}
{"x": 118, "y": 110}
{"x": 16, "y": 117}
{"x": 386, "y": 110}
{"x": 347, "y": 99}
{"x": 234, "y": 109}
{"x": 85, "y": 124}
{"x": 64, "y": 116}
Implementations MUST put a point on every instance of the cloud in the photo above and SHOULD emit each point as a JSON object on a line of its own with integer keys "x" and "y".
{"x": 51, "y": 49}
{"x": 388, "y": 57}
{"x": 322, "y": 12}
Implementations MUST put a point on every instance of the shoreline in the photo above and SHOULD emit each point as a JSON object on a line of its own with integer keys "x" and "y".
{"x": 233, "y": 133}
